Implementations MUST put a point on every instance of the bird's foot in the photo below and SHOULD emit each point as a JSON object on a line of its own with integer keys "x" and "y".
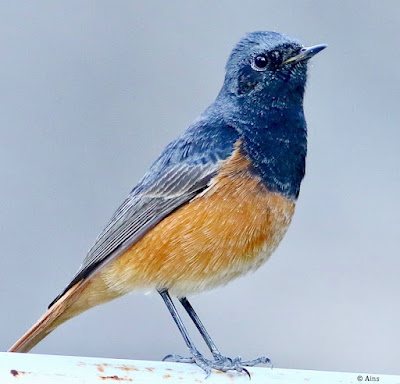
{"x": 220, "y": 363}
{"x": 252, "y": 363}
{"x": 196, "y": 358}
{"x": 238, "y": 365}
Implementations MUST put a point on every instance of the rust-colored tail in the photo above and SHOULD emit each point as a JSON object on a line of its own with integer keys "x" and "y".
{"x": 57, "y": 314}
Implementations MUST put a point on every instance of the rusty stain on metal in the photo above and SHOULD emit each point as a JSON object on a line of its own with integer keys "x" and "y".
{"x": 167, "y": 376}
{"x": 229, "y": 374}
{"x": 101, "y": 366}
{"x": 115, "y": 378}
{"x": 14, "y": 372}
{"x": 150, "y": 369}
{"x": 127, "y": 368}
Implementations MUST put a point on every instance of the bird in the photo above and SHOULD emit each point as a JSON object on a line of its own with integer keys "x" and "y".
{"x": 213, "y": 206}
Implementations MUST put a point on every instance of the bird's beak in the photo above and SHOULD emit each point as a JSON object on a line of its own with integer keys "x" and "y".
{"x": 305, "y": 54}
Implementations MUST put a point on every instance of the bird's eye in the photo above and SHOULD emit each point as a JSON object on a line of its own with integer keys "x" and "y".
{"x": 260, "y": 62}
{"x": 275, "y": 58}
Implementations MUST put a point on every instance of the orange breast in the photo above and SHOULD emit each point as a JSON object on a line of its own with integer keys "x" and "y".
{"x": 229, "y": 230}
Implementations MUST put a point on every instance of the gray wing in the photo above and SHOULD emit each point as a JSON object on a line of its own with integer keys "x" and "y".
{"x": 143, "y": 209}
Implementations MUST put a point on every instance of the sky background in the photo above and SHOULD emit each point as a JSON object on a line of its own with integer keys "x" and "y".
{"x": 91, "y": 92}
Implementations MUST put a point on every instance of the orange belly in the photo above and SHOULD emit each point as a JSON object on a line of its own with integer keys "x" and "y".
{"x": 229, "y": 230}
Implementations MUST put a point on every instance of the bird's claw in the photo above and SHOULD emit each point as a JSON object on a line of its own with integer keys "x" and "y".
{"x": 196, "y": 358}
{"x": 259, "y": 360}
{"x": 178, "y": 359}
{"x": 220, "y": 363}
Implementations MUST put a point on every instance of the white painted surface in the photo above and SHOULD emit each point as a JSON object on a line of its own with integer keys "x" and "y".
{"x": 50, "y": 369}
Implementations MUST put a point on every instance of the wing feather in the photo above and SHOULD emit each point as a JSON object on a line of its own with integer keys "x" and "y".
{"x": 141, "y": 211}
{"x": 182, "y": 171}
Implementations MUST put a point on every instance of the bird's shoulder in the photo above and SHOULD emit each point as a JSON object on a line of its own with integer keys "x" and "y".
{"x": 207, "y": 142}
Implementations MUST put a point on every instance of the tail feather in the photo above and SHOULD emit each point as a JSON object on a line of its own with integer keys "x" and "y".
{"x": 60, "y": 312}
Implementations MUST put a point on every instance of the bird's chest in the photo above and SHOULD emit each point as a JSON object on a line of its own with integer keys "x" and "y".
{"x": 231, "y": 229}
{"x": 253, "y": 217}
{"x": 249, "y": 221}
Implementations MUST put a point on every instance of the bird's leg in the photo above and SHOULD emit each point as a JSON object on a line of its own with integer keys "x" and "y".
{"x": 236, "y": 363}
{"x": 196, "y": 357}
{"x": 220, "y": 362}
{"x": 199, "y": 325}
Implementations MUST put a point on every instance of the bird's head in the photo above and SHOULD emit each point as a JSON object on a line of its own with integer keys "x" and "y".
{"x": 268, "y": 63}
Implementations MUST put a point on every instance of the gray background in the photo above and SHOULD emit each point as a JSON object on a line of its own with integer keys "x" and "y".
{"x": 91, "y": 91}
